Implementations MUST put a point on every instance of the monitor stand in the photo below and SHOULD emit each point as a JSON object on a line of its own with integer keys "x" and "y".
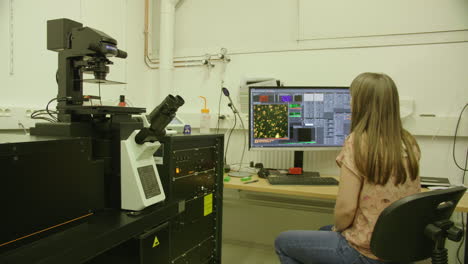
{"x": 299, "y": 162}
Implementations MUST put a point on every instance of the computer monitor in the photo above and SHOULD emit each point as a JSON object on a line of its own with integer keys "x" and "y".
{"x": 298, "y": 118}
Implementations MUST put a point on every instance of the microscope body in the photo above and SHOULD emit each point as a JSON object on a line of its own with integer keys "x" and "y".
{"x": 118, "y": 138}
{"x": 80, "y": 50}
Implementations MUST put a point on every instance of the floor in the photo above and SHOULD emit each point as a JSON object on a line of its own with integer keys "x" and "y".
{"x": 236, "y": 253}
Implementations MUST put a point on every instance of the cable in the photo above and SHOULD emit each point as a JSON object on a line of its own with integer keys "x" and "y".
{"x": 455, "y": 139}
{"x": 47, "y": 108}
{"x": 229, "y": 138}
{"x": 243, "y": 135}
{"x": 22, "y": 126}
{"x": 43, "y": 115}
{"x": 40, "y": 115}
{"x": 46, "y": 118}
{"x": 47, "y": 114}
{"x": 463, "y": 239}
{"x": 219, "y": 110}
{"x": 461, "y": 214}
{"x": 236, "y": 112}
{"x": 464, "y": 171}
{"x": 42, "y": 112}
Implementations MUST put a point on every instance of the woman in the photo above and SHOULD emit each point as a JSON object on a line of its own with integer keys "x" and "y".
{"x": 379, "y": 164}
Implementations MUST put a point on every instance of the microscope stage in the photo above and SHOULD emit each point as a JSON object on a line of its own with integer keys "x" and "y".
{"x": 102, "y": 109}
{"x": 98, "y": 81}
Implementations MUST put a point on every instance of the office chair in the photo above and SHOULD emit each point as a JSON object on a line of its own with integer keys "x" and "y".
{"x": 415, "y": 227}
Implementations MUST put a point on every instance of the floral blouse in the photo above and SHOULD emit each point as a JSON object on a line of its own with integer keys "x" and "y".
{"x": 373, "y": 199}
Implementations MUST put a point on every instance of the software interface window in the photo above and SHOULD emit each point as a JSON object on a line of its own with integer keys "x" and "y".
{"x": 299, "y": 116}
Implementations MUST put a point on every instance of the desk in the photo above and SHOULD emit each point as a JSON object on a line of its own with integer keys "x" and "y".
{"x": 323, "y": 192}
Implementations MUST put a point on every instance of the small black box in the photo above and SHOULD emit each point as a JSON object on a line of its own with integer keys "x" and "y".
{"x": 57, "y": 33}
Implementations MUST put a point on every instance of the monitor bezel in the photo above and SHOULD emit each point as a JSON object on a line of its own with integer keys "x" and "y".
{"x": 292, "y": 148}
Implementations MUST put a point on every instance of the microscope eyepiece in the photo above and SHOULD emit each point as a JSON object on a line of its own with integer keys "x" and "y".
{"x": 159, "y": 118}
{"x": 121, "y": 54}
{"x": 180, "y": 100}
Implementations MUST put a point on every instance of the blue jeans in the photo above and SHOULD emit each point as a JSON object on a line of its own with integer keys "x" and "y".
{"x": 317, "y": 247}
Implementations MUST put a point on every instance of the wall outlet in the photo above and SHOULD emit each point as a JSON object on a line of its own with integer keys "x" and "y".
{"x": 5, "y": 112}
{"x": 11, "y": 116}
{"x": 28, "y": 113}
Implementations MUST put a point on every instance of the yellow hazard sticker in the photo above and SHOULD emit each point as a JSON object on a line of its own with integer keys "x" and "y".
{"x": 156, "y": 242}
{"x": 208, "y": 208}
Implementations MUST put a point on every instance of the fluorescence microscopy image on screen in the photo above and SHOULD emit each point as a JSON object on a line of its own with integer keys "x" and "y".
{"x": 270, "y": 121}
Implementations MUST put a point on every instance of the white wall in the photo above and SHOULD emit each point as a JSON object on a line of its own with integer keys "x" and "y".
{"x": 263, "y": 39}
{"x": 377, "y": 17}
{"x": 266, "y": 39}
{"x": 33, "y": 81}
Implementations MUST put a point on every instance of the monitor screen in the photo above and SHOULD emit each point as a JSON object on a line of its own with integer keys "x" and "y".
{"x": 298, "y": 117}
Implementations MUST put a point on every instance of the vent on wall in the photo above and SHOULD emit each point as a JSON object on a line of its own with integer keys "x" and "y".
{"x": 273, "y": 159}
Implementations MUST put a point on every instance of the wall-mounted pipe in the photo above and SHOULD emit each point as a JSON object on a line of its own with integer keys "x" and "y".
{"x": 147, "y": 58}
{"x": 12, "y": 39}
{"x": 154, "y": 63}
{"x": 166, "y": 48}
{"x": 166, "y": 63}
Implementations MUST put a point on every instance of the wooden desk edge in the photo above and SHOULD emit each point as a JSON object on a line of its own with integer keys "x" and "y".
{"x": 326, "y": 192}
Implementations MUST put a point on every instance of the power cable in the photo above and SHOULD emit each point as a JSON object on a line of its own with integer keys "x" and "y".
{"x": 243, "y": 136}
{"x": 229, "y": 138}
{"x": 455, "y": 139}
{"x": 219, "y": 110}
{"x": 461, "y": 214}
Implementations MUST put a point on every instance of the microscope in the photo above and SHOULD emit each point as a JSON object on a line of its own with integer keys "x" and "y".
{"x": 127, "y": 144}
{"x": 85, "y": 188}
{"x": 81, "y": 50}
{"x": 138, "y": 168}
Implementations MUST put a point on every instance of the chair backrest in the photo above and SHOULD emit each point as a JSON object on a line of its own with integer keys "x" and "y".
{"x": 399, "y": 232}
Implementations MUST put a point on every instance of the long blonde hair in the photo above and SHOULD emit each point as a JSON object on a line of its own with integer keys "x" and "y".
{"x": 378, "y": 134}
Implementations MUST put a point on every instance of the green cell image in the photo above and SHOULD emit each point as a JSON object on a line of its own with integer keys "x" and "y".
{"x": 270, "y": 121}
{"x": 294, "y": 106}
{"x": 295, "y": 114}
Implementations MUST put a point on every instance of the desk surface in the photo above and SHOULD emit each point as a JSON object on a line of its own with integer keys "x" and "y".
{"x": 324, "y": 192}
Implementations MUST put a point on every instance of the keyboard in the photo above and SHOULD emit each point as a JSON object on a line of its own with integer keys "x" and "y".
{"x": 298, "y": 180}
